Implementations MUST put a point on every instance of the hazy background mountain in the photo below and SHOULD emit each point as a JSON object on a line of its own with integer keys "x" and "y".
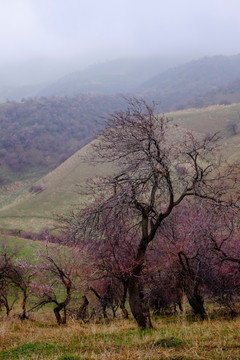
{"x": 38, "y": 133}
{"x": 42, "y": 77}
{"x": 64, "y": 64}
{"x": 44, "y": 41}
{"x": 187, "y": 84}
{"x": 25, "y": 78}
{"x": 115, "y": 76}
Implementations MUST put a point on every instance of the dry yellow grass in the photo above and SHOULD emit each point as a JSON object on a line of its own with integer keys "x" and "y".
{"x": 171, "y": 338}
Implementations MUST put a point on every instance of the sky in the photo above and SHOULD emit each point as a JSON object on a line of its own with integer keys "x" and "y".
{"x": 107, "y": 29}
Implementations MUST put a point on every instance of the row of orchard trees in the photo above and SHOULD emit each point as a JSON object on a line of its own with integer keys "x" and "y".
{"x": 195, "y": 253}
{"x": 163, "y": 225}
{"x": 49, "y": 277}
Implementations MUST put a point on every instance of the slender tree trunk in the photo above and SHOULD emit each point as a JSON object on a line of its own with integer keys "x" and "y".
{"x": 4, "y": 302}
{"x": 7, "y": 308}
{"x": 124, "y": 311}
{"x": 23, "y": 316}
{"x": 61, "y": 320}
{"x": 102, "y": 301}
{"x": 180, "y": 306}
{"x": 123, "y": 301}
{"x": 190, "y": 283}
{"x": 123, "y": 298}
{"x": 83, "y": 309}
{"x": 196, "y": 302}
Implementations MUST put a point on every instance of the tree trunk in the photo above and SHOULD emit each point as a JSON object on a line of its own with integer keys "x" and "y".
{"x": 60, "y": 320}
{"x": 123, "y": 300}
{"x": 180, "y": 306}
{"x": 190, "y": 283}
{"x": 23, "y": 316}
{"x": 103, "y": 302}
{"x": 83, "y": 309}
{"x": 124, "y": 310}
{"x": 196, "y": 302}
{"x": 139, "y": 309}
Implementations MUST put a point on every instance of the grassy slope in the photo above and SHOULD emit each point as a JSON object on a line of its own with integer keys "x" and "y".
{"x": 29, "y": 211}
{"x": 35, "y": 211}
{"x": 211, "y": 119}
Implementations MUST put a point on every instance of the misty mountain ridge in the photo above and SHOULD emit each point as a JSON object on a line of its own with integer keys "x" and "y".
{"x": 115, "y": 76}
{"x": 158, "y": 78}
{"x": 176, "y": 87}
{"x": 41, "y": 132}
{"x": 40, "y": 77}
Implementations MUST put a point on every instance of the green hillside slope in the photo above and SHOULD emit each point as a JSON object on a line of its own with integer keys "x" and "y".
{"x": 34, "y": 211}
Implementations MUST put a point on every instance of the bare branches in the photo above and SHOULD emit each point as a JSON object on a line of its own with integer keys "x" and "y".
{"x": 156, "y": 166}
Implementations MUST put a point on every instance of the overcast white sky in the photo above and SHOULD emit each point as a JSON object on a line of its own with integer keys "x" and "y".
{"x": 108, "y": 29}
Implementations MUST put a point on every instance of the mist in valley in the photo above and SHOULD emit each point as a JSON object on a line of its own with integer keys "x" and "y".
{"x": 42, "y": 42}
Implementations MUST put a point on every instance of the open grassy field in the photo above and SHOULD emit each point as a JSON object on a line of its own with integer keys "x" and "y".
{"x": 21, "y": 209}
{"x": 171, "y": 338}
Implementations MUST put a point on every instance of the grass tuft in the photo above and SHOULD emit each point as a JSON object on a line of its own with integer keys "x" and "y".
{"x": 169, "y": 342}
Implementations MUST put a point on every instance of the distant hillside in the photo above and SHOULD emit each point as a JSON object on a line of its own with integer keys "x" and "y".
{"x": 222, "y": 95}
{"x": 37, "y": 135}
{"x": 189, "y": 84}
{"x": 116, "y": 76}
{"x": 57, "y": 192}
{"x": 17, "y": 93}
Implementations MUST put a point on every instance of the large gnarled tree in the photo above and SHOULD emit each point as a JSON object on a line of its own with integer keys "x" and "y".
{"x": 156, "y": 166}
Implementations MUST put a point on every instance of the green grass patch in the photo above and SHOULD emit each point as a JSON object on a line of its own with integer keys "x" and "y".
{"x": 69, "y": 357}
{"x": 168, "y": 342}
{"x": 25, "y": 351}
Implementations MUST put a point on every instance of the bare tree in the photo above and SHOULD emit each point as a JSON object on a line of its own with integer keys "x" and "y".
{"x": 156, "y": 166}
{"x": 58, "y": 279}
{"x": 8, "y": 294}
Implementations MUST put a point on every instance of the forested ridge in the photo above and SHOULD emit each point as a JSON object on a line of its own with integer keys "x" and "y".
{"x": 43, "y": 132}
{"x": 195, "y": 83}
{"x": 40, "y": 133}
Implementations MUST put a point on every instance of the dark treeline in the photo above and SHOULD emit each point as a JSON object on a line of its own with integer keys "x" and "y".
{"x": 43, "y": 132}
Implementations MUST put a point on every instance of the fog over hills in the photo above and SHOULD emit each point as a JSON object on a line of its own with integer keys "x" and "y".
{"x": 38, "y": 133}
{"x": 174, "y": 82}
{"x": 174, "y": 88}
{"x": 119, "y": 75}
{"x": 41, "y": 77}
{"x": 44, "y": 41}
